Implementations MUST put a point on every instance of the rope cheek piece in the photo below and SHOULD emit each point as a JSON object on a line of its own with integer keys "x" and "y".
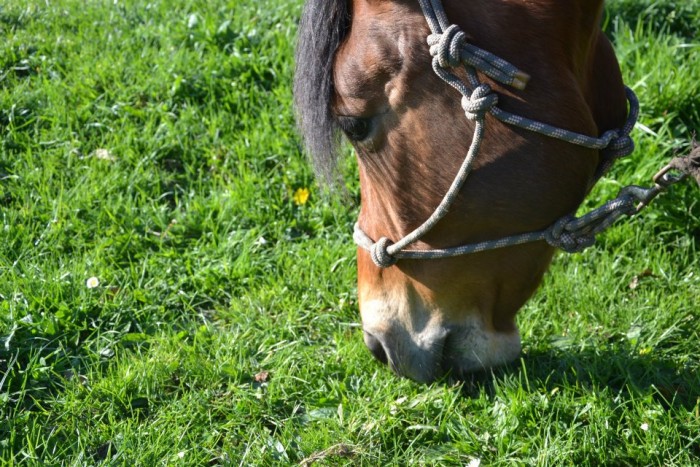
{"x": 449, "y": 49}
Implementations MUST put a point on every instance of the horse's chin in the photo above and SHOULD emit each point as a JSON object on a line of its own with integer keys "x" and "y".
{"x": 472, "y": 348}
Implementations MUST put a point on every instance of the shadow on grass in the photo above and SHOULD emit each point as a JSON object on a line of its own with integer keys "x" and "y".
{"x": 619, "y": 369}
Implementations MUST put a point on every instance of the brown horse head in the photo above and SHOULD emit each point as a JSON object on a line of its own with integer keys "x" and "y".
{"x": 364, "y": 69}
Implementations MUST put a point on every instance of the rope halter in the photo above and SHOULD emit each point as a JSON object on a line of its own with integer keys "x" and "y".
{"x": 449, "y": 49}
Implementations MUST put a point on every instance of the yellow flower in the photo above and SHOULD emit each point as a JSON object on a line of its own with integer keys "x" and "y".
{"x": 301, "y": 196}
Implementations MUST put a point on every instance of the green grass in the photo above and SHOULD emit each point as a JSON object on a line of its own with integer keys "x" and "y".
{"x": 151, "y": 145}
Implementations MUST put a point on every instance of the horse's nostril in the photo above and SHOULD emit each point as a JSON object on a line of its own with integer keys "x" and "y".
{"x": 375, "y": 346}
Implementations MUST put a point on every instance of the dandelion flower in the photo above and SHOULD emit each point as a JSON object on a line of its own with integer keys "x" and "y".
{"x": 92, "y": 282}
{"x": 301, "y": 196}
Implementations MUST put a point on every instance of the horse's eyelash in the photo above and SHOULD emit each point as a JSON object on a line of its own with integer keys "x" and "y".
{"x": 355, "y": 128}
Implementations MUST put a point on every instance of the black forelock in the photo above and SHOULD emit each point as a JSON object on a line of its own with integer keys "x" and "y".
{"x": 323, "y": 26}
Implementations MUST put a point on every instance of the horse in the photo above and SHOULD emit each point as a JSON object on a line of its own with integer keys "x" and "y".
{"x": 365, "y": 71}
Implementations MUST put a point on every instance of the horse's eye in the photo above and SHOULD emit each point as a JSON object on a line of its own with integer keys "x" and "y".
{"x": 355, "y": 128}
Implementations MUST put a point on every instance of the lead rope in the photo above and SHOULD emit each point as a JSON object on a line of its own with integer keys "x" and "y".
{"x": 449, "y": 48}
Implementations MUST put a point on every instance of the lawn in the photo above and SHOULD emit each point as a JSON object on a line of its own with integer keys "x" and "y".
{"x": 169, "y": 295}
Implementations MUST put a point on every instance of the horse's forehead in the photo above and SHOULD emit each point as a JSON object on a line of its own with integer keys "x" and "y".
{"x": 383, "y": 37}
{"x": 375, "y": 33}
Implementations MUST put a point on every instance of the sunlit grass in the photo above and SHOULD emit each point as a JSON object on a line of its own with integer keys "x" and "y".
{"x": 175, "y": 289}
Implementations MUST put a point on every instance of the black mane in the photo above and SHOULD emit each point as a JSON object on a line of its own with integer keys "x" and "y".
{"x": 324, "y": 24}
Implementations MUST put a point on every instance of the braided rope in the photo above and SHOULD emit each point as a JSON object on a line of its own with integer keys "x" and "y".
{"x": 569, "y": 233}
{"x": 449, "y": 48}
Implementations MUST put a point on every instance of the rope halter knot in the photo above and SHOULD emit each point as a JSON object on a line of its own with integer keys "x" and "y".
{"x": 379, "y": 254}
{"x": 570, "y": 241}
{"x": 619, "y": 147}
{"x": 447, "y": 47}
{"x": 479, "y": 103}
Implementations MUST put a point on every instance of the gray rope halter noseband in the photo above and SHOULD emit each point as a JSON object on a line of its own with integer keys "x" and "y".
{"x": 449, "y": 49}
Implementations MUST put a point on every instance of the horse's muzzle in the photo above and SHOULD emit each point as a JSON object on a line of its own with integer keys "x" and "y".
{"x": 441, "y": 351}
{"x": 376, "y": 347}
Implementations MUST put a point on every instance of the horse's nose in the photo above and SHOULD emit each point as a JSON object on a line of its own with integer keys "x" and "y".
{"x": 376, "y": 347}
{"x": 439, "y": 350}
{"x": 419, "y": 358}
